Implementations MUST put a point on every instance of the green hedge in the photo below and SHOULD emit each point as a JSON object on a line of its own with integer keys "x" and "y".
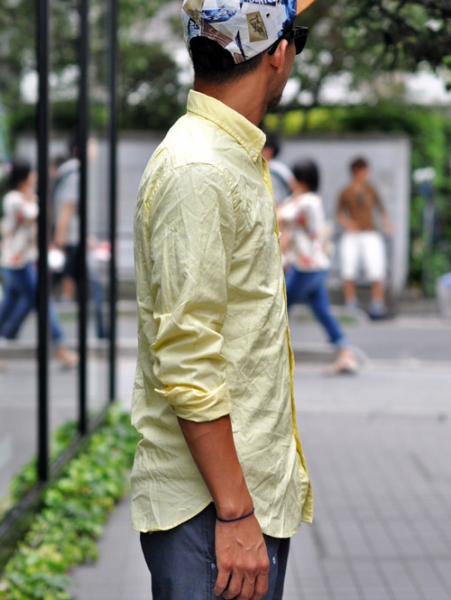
{"x": 74, "y": 511}
{"x": 63, "y": 117}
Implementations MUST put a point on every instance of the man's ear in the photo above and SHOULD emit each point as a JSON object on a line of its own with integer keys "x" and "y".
{"x": 277, "y": 60}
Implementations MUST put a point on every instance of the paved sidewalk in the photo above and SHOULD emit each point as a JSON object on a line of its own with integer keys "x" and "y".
{"x": 378, "y": 448}
{"x": 377, "y": 445}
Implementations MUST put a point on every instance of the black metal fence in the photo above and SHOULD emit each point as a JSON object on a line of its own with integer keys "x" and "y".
{"x": 15, "y": 521}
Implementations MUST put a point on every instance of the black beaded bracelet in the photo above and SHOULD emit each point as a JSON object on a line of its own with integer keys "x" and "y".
{"x": 249, "y": 514}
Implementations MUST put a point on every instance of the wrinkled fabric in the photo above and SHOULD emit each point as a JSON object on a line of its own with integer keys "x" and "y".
{"x": 213, "y": 334}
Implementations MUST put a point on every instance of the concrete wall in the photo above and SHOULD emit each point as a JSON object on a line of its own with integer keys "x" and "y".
{"x": 389, "y": 157}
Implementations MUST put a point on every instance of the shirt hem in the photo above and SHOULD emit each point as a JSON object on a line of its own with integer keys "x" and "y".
{"x": 177, "y": 523}
{"x": 198, "y": 511}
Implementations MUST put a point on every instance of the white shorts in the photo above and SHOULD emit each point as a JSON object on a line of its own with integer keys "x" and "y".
{"x": 363, "y": 249}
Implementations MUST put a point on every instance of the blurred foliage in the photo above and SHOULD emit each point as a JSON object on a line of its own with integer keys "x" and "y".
{"x": 364, "y": 46}
{"x": 365, "y": 40}
{"x": 429, "y": 130}
{"x": 149, "y": 102}
{"x": 75, "y": 508}
{"x": 358, "y": 40}
{"x": 149, "y": 93}
{"x": 404, "y": 33}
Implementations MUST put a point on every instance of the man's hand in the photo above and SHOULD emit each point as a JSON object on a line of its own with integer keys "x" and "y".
{"x": 241, "y": 559}
{"x": 346, "y": 222}
{"x": 63, "y": 222}
{"x": 351, "y": 225}
{"x": 241, "y": 555}
{"x": 387, "y": 225}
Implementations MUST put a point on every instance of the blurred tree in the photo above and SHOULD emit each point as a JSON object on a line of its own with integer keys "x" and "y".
{"x": 364, "y": 46}
{"x": 149, "y": 93}
{"x": 403, "y": 33}
{"x": 148, "y": 77}
{"x": 17, "y": 55}
{"x": 352, "y": 44}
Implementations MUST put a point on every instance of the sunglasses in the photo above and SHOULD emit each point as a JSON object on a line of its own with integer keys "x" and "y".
{"x": 297, "y": 34}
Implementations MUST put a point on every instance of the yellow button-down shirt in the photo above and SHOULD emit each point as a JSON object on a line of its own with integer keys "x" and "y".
{"x": 212, "y": 324}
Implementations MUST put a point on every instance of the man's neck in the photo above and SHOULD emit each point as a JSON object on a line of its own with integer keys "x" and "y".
{"x": 246, "y": 97}
{"x": 358, "y": 184}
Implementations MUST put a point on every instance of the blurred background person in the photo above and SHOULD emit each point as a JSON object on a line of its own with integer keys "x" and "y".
{"x": 361, "y": 242}
{"x": 282, "y": 178}
{"x": 304, "y": 246}
{"x": 19, "y": 254}
{"x": 66, "y": 191}
{"x": 20, "y": 210}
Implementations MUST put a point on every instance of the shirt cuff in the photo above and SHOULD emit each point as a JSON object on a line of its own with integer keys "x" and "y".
{"x": 195, "y": 404}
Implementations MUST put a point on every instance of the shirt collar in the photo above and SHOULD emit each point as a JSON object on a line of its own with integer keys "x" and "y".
{"x": 246, "y": 134}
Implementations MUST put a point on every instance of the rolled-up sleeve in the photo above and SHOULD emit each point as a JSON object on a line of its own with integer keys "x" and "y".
{"x": 190, "y": 237}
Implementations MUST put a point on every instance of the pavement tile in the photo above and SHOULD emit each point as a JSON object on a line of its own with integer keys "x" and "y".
{"x": 400, "y": 580}
{"x": 404, "y": 538}
{"x": 307, "y": 577}
{"x": 378, "y": 448}
{"x": 353, "y": 538}
{"x": 379, "y": 539}
{"x": 443, "y": 566}
{"x": 430, "y": 538}
{"x": 341, "y": 580}
{"x": 372, "y": 583}
{"x": 326, "y": 531}
{"x": 429, "y": 579}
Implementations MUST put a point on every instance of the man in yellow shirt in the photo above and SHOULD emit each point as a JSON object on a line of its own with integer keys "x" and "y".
{"x": 219, "y": 482}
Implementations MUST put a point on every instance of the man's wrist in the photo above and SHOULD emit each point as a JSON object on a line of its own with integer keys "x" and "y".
{"x": 235, "y": 519}
{"x": 234, "y": 510}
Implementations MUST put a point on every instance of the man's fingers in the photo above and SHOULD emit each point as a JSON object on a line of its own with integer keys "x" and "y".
{"x": 242, "y": 588}
{"x": 241, "y": 557}
{"x": 234, "y": 588}
{"x": 261, "y": 586}
{"x": 222, "y": 581}
{"x": 247, "y": 590}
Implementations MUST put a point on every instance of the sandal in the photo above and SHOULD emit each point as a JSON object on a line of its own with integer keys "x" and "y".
{"x": 345, "y": 364}
{"x": 67, "y": 358}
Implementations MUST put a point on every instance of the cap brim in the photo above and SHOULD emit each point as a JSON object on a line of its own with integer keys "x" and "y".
{"x": 303, "y": 5}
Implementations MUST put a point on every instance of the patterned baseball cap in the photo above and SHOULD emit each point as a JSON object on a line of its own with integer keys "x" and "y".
{"x": 243, "y": 27}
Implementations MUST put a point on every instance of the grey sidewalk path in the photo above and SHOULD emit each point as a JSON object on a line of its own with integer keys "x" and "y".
{"x": 406, "y": 337}
{"x": 378, "y": 448}
{"x": 377, "y": 445}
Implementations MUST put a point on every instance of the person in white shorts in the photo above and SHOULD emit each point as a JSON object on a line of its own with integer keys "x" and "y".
{"x": 362, "y": 245}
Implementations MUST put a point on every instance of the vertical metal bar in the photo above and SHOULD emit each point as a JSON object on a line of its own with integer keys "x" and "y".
{"x": 83, "y": 284}
{"x": 112, "y": 136}
{"x": 42, "y": 50}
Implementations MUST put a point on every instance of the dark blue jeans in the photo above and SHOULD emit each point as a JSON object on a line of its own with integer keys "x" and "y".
{"x": 72, "y": 270}
{"x": 183, "y": 565}
{"x": 309, "y": 287}
{"x": 19, "y": 299}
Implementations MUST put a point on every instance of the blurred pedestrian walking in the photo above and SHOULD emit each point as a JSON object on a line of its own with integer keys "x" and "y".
{"x": 304, "y": 247}
{"x": 282, "y": 178}
{"x": 19, "y": 254}
{"x": 361, "y": 243}
{"x": 66, "y": 192}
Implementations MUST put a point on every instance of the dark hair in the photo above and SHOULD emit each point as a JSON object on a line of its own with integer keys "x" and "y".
{"x": 214, "y": 64}
{"x": 306, "y": 171}
{"x": 273, "y": 142}
{"x": 358, "y": 164}
{"x": 20, "y": 170}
